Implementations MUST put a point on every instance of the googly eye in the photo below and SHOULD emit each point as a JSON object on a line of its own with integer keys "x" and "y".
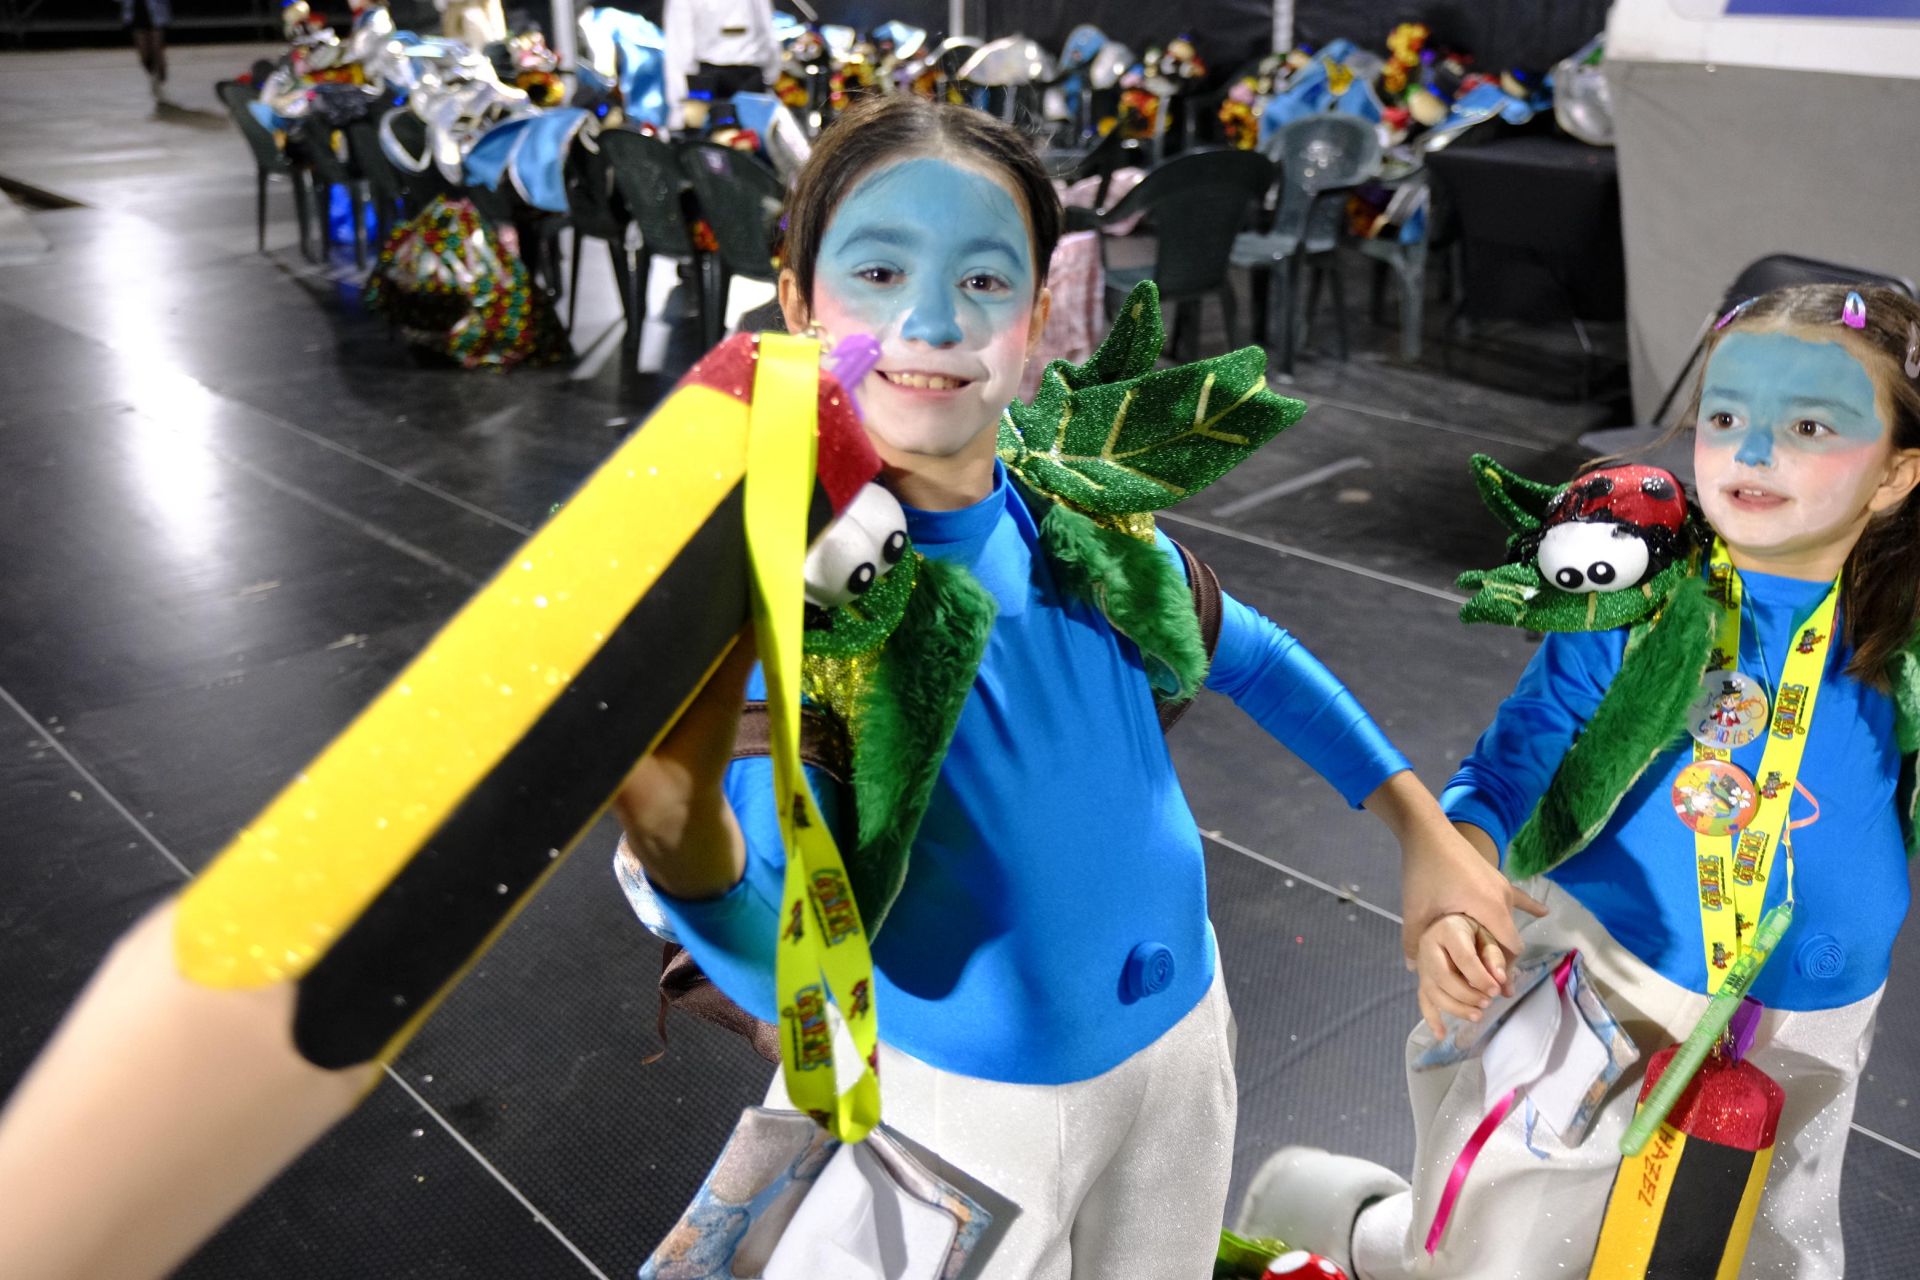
{"x": 1593, "y": 555}
{"x": 857, "y": 549}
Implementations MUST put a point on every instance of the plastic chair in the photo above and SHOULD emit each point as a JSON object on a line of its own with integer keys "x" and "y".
{"x": 653, "y": 187}
{"x": 741, "y": 200}
{"x": 1198, "y": 201}
{"x": 1775, "y": 271}
{"x": 270, "y": 160}
{"x": 1406, "y": 261}
{"x": 329, "y": 171}
{"x": 1112, "y": 153}
{"x": 1320, "y": 158}
{"x": 595, "y": 211}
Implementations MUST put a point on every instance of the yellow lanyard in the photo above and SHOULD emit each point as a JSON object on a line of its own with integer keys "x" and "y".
{"x": 1733, "y": 882}
{"x": 823, "y": 947}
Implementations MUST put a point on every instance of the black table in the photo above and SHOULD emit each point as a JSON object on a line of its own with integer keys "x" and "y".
{"x": 1534, "y": 205}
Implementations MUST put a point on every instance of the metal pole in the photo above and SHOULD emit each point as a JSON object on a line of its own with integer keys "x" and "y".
{"x": 565, "y": 34}
{"x": 1282, "y": 26}
{"x": 956, "y": 17}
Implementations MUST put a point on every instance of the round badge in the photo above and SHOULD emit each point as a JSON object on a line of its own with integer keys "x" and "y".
{"x": 1714, "y": 798}
{"x": 1729, "y": 711}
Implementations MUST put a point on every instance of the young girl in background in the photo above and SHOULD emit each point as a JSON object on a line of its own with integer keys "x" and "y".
{"x": 1806, "y": 452}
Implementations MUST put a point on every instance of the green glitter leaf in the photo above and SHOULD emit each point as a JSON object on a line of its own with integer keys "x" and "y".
{"x": 1115, "y": 437}
{"x": 1520, "y": 503}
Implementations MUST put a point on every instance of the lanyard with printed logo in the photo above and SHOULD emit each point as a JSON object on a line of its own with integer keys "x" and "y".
{"x": 822, "y": 951}
{"x": 1739, "y": 823}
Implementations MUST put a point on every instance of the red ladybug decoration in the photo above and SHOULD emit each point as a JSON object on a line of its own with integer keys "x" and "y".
{"x": 1611, "y": 529}
{"x": 1301, "y": 1265}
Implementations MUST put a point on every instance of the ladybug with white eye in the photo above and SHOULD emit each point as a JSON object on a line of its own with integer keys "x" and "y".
{"x": 857, "y": 549}
{"x": 1610, "y": 530}
{"x": 1301, "y": 1265}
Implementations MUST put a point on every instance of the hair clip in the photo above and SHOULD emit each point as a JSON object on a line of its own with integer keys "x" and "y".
{"x": 1733, "y": 313}
{"x": 1912, "y": 365}
{"x": 1853, "y": 313}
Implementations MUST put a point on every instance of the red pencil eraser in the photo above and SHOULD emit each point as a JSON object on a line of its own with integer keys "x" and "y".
{"x": 846, "y": 457}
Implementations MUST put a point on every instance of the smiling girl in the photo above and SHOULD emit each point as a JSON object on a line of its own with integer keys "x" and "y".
{"x": 1806, "y": 455}
{"x": 1052, "y": 1016}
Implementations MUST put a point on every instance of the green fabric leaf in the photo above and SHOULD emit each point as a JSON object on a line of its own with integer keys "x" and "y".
{"x": 1516, "y": 595}
{"x": 1519, "y": 503}
{"x": 1115, "y": 437}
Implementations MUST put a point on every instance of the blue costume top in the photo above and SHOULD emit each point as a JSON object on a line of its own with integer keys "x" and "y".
{"x": 1638, "y": 877}
{"x": 1057, "y": 840}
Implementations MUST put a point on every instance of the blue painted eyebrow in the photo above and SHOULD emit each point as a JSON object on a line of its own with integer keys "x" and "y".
{"x": 993, "y": 244}
{"x": 892, "y": 237}
{"x": 1819, "y": 402}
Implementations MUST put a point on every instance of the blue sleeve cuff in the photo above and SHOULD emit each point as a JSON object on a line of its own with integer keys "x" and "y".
{"x": 732, "y": 940}
{"x": 1462, "y": 802}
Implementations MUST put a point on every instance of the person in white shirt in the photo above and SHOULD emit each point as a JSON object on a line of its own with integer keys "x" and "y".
{"x": 475, "y": 23}
{"x": 723, "y": 46}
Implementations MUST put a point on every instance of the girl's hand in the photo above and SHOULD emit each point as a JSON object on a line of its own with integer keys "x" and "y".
{"x": 1444, "y": 869}
{"x": 1457, "y": 961}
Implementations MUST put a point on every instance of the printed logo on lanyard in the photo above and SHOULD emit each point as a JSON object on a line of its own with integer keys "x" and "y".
{"x": 1738, "y": 824}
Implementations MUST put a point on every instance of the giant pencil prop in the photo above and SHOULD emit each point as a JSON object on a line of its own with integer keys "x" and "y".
{"x": 395, "y": 857}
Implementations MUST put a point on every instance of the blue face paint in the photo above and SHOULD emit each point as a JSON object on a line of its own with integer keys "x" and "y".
{"x": 935, "y": 260}
{"x": 1766, "y": 392}
{"x": 929, "y": 250}
{"x": 1790, "y": 450}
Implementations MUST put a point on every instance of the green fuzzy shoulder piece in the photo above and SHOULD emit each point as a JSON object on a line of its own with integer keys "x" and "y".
{"x": 1643, "y": 712}
{"x": 1116, "y": 437}
{"x": 898, "y": 700}
{"x": 1515, "y": 594}
{"x": 1139, "y": 589}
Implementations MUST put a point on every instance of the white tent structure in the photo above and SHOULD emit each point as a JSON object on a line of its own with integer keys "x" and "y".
{"x": 1743, "y": 136}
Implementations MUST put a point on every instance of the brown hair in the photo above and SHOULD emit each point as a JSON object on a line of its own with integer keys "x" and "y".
{"x": 1881, "y": 604}
{"x": 877, "y": 129}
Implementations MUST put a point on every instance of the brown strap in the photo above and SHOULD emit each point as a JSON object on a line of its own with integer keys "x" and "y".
{"x": 822, "y": 745}
{"x": 683, "y": 986}
{"x": 1205, "y": 586}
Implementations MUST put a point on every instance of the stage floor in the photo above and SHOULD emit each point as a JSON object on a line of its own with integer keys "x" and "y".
{"x": 235, "y": 506}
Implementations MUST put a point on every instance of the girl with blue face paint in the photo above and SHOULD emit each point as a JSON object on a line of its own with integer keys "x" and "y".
{"x": 934, "y": 251}
{"x": 1053, "y": 1020}
{"x": 1806, "y": 455}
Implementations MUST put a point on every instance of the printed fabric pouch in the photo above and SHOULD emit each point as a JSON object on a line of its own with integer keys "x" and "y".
{"x": 1553, "y": 1043}
{"x": 786, "y": 1201}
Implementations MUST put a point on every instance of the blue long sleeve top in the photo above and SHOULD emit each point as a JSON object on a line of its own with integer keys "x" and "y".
{"x": 1638, "y": 875}
{"x": 1057, "y": 840}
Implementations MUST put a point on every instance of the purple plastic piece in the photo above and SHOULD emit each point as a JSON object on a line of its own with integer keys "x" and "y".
{"x": 850, "y": 361}
{"x": 1744, "y": 1026}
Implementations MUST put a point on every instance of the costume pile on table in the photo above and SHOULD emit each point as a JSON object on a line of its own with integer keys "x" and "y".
{"x": 1552, "y": 1136}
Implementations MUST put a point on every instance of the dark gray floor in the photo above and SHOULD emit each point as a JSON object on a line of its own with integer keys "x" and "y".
{"x": 235, "y": 508}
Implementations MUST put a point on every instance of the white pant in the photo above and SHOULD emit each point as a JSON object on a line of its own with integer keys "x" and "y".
{"x": 1521, "y": 1217}
{"x": 1123, "y": 1175}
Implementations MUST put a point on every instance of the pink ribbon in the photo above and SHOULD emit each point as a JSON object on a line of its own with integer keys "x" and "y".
{"x": 1457, "y": 1179}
